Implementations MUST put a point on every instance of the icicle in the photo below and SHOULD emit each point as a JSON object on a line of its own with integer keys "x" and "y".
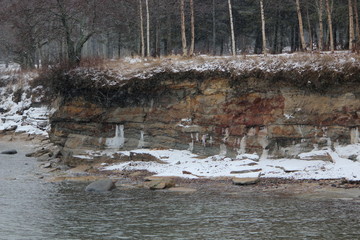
{"x": 223, "y": 150}
{"x": 354, "y": 135}
{"x": 203, "y": 140}
{"x": 226, "y": 135}
{"x": 211, "y": 141}
{"x": 242, "y": 149}
{"x": 119, "y": 139}
{"x": 264, "y": 154}
{"x": 141, "y": 141}
{"x": 191, "y": 146}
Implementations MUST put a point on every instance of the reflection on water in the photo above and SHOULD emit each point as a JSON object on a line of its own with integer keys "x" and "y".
{"x": 33, "y": 209}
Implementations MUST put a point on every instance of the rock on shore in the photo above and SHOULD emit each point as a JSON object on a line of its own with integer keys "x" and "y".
{"x": 101, "y": 186}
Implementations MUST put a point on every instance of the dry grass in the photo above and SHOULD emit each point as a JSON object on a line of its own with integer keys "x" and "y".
{"x": 143, "y": 67}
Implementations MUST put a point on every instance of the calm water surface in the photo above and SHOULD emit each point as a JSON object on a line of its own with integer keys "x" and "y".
{"x": 30, "y": 208}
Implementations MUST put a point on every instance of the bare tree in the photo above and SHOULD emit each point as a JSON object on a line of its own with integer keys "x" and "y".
{"x": 351, "y": 25}
{"x": 357, "y": 28}
{"x": 141, "y": 29}
{"x": 331, "y": 33}
{"x": 192, "y": 46}
{"x": 321, "y": 25}
{"x": 263, "y": 27}
{"x": 147, "y": 28}
{"x": 232, "y": 29}
{"x": 301, "y": 26}
{"x": 183, "y": 27}
{"x": 213, "y": 28}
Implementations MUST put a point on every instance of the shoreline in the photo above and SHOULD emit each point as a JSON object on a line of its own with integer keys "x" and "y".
{"x": 277, "y": 187}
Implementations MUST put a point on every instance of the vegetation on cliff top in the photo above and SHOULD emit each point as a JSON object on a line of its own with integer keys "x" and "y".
{"x": 316, "y": 72}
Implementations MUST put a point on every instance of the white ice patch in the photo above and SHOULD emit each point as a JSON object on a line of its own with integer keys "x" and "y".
{"x": 249, "y": 165}
{"x": 118, "y": 141}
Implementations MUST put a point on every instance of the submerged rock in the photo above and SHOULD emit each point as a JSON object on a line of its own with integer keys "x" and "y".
{"x": 101, "y": 186}
{"x": 9, "y": 152}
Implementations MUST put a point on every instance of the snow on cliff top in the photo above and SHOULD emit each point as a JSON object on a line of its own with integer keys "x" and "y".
{"x": 143, "y": 68}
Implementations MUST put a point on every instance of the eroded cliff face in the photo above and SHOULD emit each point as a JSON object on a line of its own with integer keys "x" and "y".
{"x": 209, "y": 113}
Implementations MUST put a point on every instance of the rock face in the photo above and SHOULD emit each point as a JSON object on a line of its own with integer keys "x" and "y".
{"x": 101, "y": 186}
{"x": 210, "y": 113}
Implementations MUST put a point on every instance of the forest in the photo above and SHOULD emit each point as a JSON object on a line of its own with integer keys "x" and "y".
{"x": 37, "y": 33}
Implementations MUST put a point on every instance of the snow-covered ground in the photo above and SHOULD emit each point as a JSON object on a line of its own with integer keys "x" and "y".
{"x": 18, "y": 114}
{"x": 317, "y": 164}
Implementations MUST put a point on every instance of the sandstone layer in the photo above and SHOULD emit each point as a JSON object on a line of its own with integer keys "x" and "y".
{"x": 208, "y": 113}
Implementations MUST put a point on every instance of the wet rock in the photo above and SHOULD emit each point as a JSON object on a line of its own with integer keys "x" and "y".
{"x": 246, "y": 171}
{"x": 9, "y": 152}
{"x": 353, "y": 157}
{"x": 245, "y": 181}
{"x": 182, "y": 190}
{"x": 101, "y": 186}
{"x": 46, "y": 165}
{"x": 144, "y": 157}
{"x": 160, "y": 184}
{"x": 11, "y": 128}
{"x": 38, "y": 153}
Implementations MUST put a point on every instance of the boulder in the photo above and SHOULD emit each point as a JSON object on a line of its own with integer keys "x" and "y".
{"x": 353, "y": 157}
{"x": 9, "y": 152}
{"x": 101, "y": 186}
{"x": 245, "y": 181}
{"x": 160, "y": 184}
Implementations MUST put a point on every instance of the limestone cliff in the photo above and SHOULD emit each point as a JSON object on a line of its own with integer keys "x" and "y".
{"x": 211, "y": 112}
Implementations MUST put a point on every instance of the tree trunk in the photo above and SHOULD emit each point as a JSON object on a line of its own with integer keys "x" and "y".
{"x": 321, "y": 25}
{"x": 301, "y": 26}
{"x": 141, "y": 30}
{"x": 183, "y": 33}
{"x": 263, "y": 28}
{"x": 169, "y": 36}
{"x": 351, "y": 25}
{"x": 192, "y": 46}
{"x": 309, "y": 28}
{"x": 331, "y": 33}
{"x": 157, "y": 31}
{"x": 357, "y": 27}
{"x": 232, "y": 29}
{"x": 147, "y": 29}
{"x": 275, "y": 44}
{"x": 119, "y": 45}
{"x": 213, "y": 28}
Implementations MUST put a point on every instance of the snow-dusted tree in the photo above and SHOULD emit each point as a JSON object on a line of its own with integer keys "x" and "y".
{"x": 183, "y": 27}
{"x": 301, "y": 26}
{"x": 141, "y": 30}
{"x": 233, "y": 51}
{"x": 329, "y": 19}
{"x": 263, "y": 27}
